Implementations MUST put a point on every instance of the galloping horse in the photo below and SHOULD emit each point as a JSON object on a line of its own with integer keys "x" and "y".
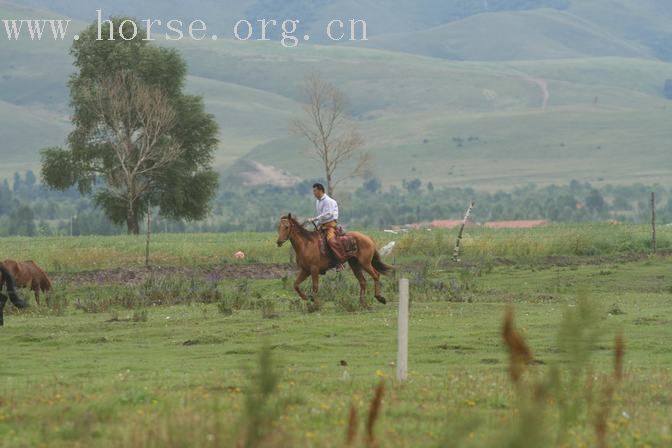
{"x": 8, "y": 280}
{"x": 313, "y": 262}
{"x": 28, "y": 275}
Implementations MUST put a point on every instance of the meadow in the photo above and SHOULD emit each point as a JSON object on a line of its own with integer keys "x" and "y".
{"x": 205, "y": 351}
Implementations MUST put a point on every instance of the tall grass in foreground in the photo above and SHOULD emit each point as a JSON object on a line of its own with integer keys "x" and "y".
{"x": 549, "y": 405}
{"x": 552, "y": 404}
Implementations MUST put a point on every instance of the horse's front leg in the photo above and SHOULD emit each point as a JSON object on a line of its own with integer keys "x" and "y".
{"x": 315, "y": 275}
{"x": 3, "y": 300}
{"x": 297, "y": 283}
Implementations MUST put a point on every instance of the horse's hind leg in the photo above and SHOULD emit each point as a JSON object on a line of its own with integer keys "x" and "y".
{"x": 375, "y": 275}
{"x": 357, "y": 270}
{"x": 36, "y": 291}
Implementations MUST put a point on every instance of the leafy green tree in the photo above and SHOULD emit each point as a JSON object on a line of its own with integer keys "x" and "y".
{"x": 43, "y": 228}
{"x": 30, "y": 180}
{"x": 595, "y": 201}
{"x": 372, "y": 185}
{"x": 22, "y": 222}
{"x": 6, "y": 198}
{"x": 118, "y": 152}
{"x": 18, "y": 183}
{"x": 412, "y": 186}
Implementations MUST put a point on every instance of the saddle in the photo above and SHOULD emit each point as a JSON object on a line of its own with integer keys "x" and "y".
{"x": 347, "y": 241}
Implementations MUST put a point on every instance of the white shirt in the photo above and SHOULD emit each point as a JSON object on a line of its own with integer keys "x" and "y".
{"x": 327, "y": 210}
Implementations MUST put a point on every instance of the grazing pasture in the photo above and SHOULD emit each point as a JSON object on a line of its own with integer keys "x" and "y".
{"x": 120, "y": 355}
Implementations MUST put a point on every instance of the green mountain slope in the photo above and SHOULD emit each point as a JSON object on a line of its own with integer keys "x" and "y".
{"x": 591, "y": 129}
{"x": 504, "y": 36}
{"x": 537, "y": 102}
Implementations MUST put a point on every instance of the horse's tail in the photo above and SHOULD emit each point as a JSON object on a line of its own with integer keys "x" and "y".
{"x": 8, "y": 280}
{"x": 380, "y": 266}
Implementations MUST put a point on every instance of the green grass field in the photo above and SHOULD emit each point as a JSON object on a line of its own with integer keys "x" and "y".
{"x": 171, "y": 359}
{"x": 88, "y": 253}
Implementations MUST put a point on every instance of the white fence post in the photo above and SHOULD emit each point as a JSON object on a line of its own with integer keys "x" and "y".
{"x": 402, "y": 331}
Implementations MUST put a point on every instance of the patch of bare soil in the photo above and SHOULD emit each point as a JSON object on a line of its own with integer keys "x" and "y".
{"x": 139, "y": 275}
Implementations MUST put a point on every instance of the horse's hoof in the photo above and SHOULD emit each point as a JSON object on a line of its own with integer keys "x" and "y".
{"x": 381, "y": 299}
{"x": 313, "y": 307}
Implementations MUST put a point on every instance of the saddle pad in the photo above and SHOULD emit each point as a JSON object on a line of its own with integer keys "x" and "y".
{"x": 323, "y": 246}
{"x": 349, "y": 244}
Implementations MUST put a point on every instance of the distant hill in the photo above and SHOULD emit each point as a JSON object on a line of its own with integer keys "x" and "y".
{"x": 506, "y": 36}
{"x": 481, "y": 94}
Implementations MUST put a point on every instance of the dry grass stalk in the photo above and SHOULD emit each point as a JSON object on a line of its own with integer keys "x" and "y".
{"x": 352, "y": 427}
{"x": 519, "y": 353}
{"x": 608, "y": 393}
{"x": 374, "y": 411}
{"x": 619, "y": 353}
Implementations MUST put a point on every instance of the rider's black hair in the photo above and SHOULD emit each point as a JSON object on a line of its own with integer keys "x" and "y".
{"x": 319, "y": 187}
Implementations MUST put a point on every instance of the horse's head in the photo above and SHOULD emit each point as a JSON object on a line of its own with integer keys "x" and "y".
{"x": 284, "y": 229}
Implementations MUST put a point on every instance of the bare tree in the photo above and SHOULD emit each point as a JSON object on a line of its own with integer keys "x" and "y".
{"x": 135, "y": 120}
{"x": 334, "y": 138}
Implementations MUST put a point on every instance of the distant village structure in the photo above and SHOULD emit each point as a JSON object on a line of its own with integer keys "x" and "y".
{"x": 455, "y": 223}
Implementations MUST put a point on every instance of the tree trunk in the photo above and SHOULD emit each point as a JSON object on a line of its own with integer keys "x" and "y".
{"x": 330, "y": 190}
{"x": 133, "y": 225}
{"x": 132, "y": 220}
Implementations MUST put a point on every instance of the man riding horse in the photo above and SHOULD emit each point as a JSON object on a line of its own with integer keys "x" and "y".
{"x": 327, "y": 222}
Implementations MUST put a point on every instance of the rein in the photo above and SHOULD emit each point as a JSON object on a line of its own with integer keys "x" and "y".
{"x": 291, "y": 225}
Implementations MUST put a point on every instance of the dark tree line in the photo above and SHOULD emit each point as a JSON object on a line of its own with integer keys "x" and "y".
{"x": 27, "y": 208}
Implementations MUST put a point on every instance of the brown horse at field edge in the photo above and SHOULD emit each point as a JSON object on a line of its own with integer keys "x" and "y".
{"x": 312, "y": 262}
{"x": 27, "y": 274}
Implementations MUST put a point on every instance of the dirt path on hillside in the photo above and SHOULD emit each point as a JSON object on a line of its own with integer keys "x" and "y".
{"x": 543, "y": 85}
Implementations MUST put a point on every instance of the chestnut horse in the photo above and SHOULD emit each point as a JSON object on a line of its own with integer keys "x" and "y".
{"x": 28, "y": 275}
{"x": 8, "y": 280}
{"x": 312, "y": 262}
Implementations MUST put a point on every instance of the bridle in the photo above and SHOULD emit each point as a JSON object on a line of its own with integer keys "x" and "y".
{"x": 287, "y": 223}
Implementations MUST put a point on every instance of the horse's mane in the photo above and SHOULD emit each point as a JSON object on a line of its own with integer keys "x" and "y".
{"x": 302, "y": 230}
